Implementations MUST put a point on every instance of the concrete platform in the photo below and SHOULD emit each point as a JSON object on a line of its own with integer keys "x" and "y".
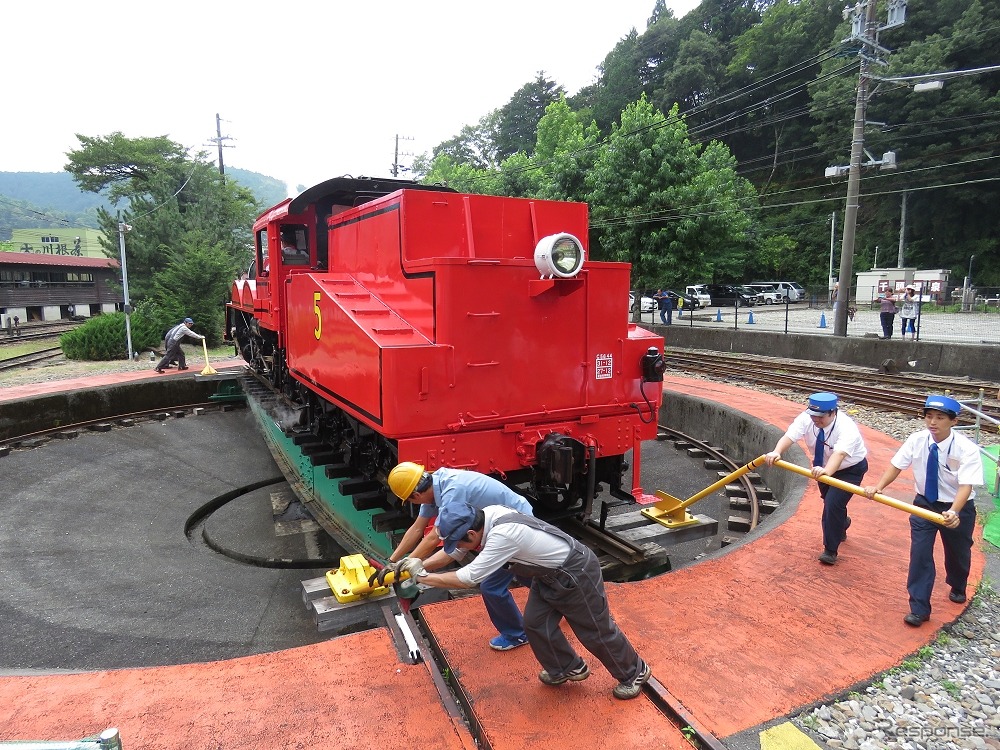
{"x": 747, "y": 636}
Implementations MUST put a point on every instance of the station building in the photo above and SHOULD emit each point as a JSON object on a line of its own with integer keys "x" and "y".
{"x": 52, "y": 279}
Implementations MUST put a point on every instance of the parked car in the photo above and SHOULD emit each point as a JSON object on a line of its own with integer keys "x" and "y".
{"x": 690, "y": 302}
{"x": 755, "y": 297}
{"x": 726, "y": 294}
{"x": 698, "y": 292}
{"x": 648, "y": 304}
{"x": 768, "y": 294}
{"x": 791, "y": 290}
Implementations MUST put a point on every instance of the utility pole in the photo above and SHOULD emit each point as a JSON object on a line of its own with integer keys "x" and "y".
{"x": 218, "y": 141}
{"x": 902, "y": 231}
{"x": 833, "y": 244}
{"x": 864, "y": 30}
{"x": 396, "y": 168}
{"x": 854, "y": 179}
{"x": 127, "y": 307}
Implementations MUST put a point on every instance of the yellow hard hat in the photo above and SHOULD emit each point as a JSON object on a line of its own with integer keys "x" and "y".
{"x": 404, "y": 478}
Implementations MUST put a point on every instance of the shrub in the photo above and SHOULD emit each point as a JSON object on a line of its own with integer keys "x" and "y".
{"x": 103, "y": 337}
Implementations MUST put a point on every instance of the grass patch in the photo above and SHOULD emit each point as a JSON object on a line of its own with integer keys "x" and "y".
{"x": 9, "y": 351}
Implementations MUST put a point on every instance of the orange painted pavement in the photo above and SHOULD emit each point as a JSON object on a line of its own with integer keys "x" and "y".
{"x": 741, "y": 639}
{"x": 344, "y": 693}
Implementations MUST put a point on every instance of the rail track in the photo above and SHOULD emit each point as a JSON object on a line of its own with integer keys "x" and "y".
{"x": 12, "y": 363}
{"x": 904, "y": 393}
{"x": 37, "y": 331}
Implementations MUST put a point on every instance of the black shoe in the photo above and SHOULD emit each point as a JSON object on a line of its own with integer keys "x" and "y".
{"x": 159, "y": 370}
{"x": 916, "y": 621}
{"x": 828, "y": 557}
{"x": 843, "y": 537}
{"x": 183, "y": 368}
{"x": 957, "y": 596}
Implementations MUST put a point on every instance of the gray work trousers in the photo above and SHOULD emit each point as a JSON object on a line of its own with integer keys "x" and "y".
{"x": 576, "y": 591}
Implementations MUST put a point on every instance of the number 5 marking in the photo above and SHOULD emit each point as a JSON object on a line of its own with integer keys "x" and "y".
{"x": 319, "y": 317}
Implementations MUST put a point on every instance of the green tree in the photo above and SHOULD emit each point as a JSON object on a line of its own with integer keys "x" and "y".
{"x": 474, "y": 146}
{"x": 565, "y": 151}
{"x": 518, "y": 119}
{"x": 178, "y": 207}
{"x": 671, "y": 208}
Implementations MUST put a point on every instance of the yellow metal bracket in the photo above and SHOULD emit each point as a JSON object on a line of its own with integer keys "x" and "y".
{"x": 672, "y": 512}
{"x": 349, "y": 582}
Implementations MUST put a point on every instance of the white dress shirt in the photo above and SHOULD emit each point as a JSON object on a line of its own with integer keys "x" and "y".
{"x": 959, "y": 462}
{"x": 842, "y": 435}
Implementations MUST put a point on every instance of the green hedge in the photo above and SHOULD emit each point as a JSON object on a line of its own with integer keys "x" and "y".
{"x": 103, "y": 337}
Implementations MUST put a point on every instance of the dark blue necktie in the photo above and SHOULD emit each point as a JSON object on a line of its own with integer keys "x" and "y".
{"x": 931, "y": 480}
{"x": 820, "y": 440}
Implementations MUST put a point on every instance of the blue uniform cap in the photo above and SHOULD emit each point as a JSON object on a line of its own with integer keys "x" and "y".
{"x": 454, "y": 522}
{"x": 188, "y": 320}
{"x": 949, "y": 406}
{"x": 821, "y": 403}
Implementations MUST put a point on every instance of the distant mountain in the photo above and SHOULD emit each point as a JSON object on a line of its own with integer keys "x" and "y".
{"x": 31, "y": 200}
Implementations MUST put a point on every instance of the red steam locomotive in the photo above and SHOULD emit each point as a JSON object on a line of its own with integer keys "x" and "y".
{"x": 394, "y": 321}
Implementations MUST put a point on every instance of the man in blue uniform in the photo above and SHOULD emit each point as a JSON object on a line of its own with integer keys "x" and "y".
{"x": 838, "y": 451}
{"x": 946, "y": 465}
{"x": 435, "y": 491}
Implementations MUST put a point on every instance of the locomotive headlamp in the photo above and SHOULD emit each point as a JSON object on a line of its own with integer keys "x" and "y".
{"x": 559, "y": 255}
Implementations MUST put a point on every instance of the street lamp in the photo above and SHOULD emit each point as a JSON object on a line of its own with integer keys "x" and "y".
{"x": 122, "y": 228}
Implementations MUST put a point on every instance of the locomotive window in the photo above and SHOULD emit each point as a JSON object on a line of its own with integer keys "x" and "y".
{"x": 262, "y": 262}
{"x": 294, "y": 245}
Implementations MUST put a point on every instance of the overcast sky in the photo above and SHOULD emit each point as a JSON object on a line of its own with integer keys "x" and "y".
{"x": 316, "y": 93}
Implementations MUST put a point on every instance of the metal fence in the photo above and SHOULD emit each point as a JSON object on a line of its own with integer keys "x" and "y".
{"x": 972, "y": 319}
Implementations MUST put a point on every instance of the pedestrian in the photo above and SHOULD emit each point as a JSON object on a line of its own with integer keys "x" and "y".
{"x": 17, "y": 326}
{"x": 946, "y": 466}
{"x": 566, "y": 583}
{"x": 172, "y": 343}
{"x": 839, "y": 452}
{"x": 433, "y": 492}
{"x": 666, "y": 307}
{"x": 909, "y": 311}
{"x": 887, "y": 314}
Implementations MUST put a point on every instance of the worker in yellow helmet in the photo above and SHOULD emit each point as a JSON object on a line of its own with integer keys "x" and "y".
{"x": 432, "y": 492}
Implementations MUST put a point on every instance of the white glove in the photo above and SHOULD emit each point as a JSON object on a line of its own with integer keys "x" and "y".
{"x": 414, "y": 566}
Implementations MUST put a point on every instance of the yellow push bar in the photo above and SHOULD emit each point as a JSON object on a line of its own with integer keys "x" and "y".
{"x": 672, "y": 512}
{"x": 892, "y": 502}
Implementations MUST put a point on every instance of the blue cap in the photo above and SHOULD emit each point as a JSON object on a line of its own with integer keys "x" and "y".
{"x": 949, "y": 406}
{"x": 821, "y": 403}
{"x": 454, "y": 522}
{"x": 188, "y": 320}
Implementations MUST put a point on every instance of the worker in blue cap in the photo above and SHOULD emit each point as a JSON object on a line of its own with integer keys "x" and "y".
{"x": 172, "y": 344}
{"x": 838, "y": 450}
{"x": 566, "y": 584}
{"x": 946, "y": 466}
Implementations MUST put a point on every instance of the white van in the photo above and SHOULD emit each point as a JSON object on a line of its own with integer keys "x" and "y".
{"x": 698, "y": 292}
{"x": 791, "y": 290}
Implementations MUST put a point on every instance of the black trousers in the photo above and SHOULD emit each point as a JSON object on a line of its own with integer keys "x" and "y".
{"x": 957, "y": 545}
{"x": 835, "y": 502}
